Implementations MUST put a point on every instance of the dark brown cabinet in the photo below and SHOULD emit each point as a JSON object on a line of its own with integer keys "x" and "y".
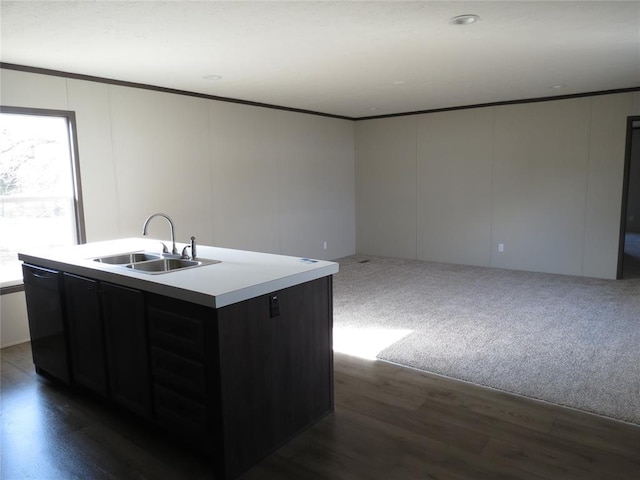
{"x": 125, "y": 333}
{"x": 276, "y": 369}
{"x": 108, "y": 338}
{"x": 243, "y": 379}
{"x": 45, "y": 311}
{"x": 183, "y": 373}
{"x": 236, "y": 382}
{"x": 84, "y": 317}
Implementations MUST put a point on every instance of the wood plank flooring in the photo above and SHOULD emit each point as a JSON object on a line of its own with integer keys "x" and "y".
{"x": 390, "y": 422}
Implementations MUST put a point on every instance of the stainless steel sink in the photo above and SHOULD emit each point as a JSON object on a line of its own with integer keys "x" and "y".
{"x": 153, "y": 262}
{"x": 127, "y": 258}
{"x": 165, "y": 265}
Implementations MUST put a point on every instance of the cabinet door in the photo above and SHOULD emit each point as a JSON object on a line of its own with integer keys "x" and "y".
{"x": 127, "y": 349}
{"x": 43, "y": 291}
{"x": 86, "y": 336}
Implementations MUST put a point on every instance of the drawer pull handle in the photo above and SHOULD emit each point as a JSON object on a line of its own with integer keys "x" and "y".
{"x": 43, "y": 275}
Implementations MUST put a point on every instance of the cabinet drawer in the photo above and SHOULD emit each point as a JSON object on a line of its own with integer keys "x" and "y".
{"x": 180, "y": 373}
{"x": 178, "y": 413}
{"x": 176, "y": 332}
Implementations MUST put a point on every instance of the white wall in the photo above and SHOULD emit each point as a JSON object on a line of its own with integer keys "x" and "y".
{"x": 539, "y": 185}
{"x": 454, "y": 186}
{"x": 544, "y": 179}
{"x": 14, "y": 328}
{"x": 232, "y": 175}
{"x": 607, "y": 144}
{"x": 386, "y": 189}
{"x": 636, "y": 104}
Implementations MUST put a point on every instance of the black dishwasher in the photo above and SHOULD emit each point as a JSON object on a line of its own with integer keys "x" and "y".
{"x": 42, "y": 288}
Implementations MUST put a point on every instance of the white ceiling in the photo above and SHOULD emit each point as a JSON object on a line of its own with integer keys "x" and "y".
{"x": 355, "y": 59}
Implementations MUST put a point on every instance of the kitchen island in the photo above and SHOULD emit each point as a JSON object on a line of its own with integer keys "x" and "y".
{"x": 234, "y": 357}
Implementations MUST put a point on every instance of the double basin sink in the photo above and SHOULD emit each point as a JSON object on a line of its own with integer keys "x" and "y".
{"x": 153, "y": 263}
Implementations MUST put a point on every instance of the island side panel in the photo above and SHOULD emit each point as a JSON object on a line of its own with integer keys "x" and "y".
{"x": 276, "y": 369}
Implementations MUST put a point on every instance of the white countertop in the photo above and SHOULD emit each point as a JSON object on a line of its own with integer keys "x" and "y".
{"x": 240, "y": 275}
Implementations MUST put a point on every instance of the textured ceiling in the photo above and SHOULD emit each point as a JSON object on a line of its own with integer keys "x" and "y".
{"x": 355, "y": 59}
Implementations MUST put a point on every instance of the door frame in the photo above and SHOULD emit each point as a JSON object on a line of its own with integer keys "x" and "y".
{"x": 625, "y": 192}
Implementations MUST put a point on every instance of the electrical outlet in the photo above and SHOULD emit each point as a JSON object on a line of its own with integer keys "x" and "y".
{"x": 501, "y": 247}
{"x": 324, "y": 245}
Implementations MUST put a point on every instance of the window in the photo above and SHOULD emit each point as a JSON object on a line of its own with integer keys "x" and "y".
{"x": 39, "y": 185}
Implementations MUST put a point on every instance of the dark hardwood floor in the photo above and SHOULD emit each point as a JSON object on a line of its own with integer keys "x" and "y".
{"x": 390, "y": 422}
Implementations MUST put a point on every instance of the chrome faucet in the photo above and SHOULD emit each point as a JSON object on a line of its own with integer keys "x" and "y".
{"x": 174, "y": 250}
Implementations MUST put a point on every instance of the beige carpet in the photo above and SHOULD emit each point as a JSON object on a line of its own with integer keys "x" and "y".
{"x": 568, "y": 340}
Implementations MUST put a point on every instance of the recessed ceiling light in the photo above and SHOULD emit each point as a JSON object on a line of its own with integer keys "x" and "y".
{"x": 466, "y": 19}
{"x": 212, "y": 77}
{"x": 399, "y": 82}
{"x": 557, "y": 87}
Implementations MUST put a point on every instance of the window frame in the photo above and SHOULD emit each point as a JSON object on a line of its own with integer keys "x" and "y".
{"x": 78, "y": 207}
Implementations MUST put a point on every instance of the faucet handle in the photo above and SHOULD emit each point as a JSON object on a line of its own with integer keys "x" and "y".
{"x": 184, "y": 253}
{"x": 193, "y": 247}
{"x": 164, "y": 248}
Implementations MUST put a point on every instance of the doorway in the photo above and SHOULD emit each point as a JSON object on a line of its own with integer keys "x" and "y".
{"x": 629, "y": 251}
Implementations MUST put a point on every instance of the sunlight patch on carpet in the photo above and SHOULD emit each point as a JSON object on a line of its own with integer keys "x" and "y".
{"x": 365, "y": 342}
